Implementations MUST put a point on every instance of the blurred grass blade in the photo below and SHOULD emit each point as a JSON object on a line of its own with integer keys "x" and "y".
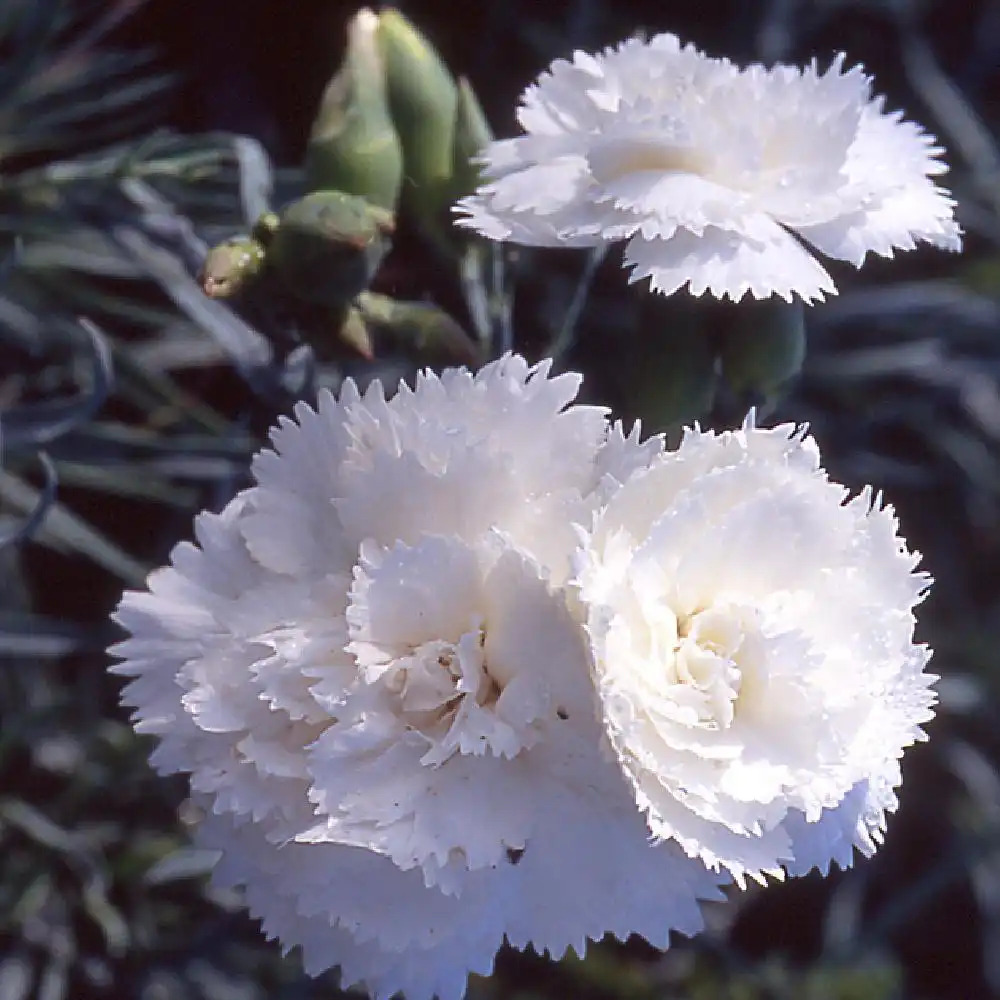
{"x": 85, "y": 251}
{"x": 16, "y": 971}
{"x": 178, "y": 346}
{"x": 147, "y": 481}
{"x": 29, "y": 27}
{"x": 963, "y": 127}
{"x": 566, "y": 334}
{"x": 63, "y": 86}
{"x": 42, "y": 504}
{"x": 34, "y": 424}
{"x": 28, "y": 635}
{"x": 66, "y": 528}
{"x": 245, "y": 347}
{"x": 12, "y": 258}
{"x": 183, "y": 863}
{"x": 256, "y": 178}
{"x": 20, "y": 325}
{"x": 151, "y": 389}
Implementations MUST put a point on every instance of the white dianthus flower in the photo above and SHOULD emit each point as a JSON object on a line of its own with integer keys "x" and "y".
{"x": 717, "y": 176}
{"x": 369, "y": 669}
{"x": 752, "y": 632}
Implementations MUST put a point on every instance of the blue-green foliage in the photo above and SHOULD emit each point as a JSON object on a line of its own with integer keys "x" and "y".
{"x": 129, "y": 400}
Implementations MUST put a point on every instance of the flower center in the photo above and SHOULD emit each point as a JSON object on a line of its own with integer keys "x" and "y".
{"x": 448, "y": 695}
{"x": 433, "y": 680}
{"x": 610, "y": 161}
{"x": 705, "y": 664}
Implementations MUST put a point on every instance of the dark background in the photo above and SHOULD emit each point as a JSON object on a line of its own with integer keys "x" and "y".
{"x": 258, "y": 66}
{"x": 919, "y": 922}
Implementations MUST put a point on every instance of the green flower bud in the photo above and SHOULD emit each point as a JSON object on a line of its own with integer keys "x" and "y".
{"x": 328, "y": 246}
{"x": 353, "y": 146}
{"x": 472, "y": 134}
{"x": 417, "y": 329}
{"x": 763, "y": 346}
{"x": 423, "y": 100}
{"x": 335, "y": 333}
{"x": 264, "y": 228}
{"x": 355, "y": 335}
{"x": 231, "y": 267}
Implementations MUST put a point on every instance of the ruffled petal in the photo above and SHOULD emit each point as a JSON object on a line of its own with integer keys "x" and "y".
{"x": 729, "y": 264}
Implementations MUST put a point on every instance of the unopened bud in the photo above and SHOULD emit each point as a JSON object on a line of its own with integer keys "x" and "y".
{"x": 423, "y": 100}
{"x": 328, "y": 246}
{"x": 472, "y": 134}
{"x": 231, "y": 267}
{"x": 353, "y": 146}
{"x": 355, "y": 335}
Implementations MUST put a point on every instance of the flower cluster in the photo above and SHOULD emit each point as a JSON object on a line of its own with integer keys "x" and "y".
{"x": 470, "y": 664}
{"x": 718, "y": 177}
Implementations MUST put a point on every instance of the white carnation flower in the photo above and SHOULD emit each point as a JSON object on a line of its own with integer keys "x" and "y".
{"x": 752, "y": 632}
{"x": 368, "y": 667}
{"x": 717, "y": 176}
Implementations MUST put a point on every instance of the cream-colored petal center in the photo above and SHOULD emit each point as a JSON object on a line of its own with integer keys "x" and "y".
{"x": 610, "y": 161}
{"x": 703, "y": 666}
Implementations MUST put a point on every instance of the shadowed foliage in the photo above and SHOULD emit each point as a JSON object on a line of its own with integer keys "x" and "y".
{"x": 136, "y": 136}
